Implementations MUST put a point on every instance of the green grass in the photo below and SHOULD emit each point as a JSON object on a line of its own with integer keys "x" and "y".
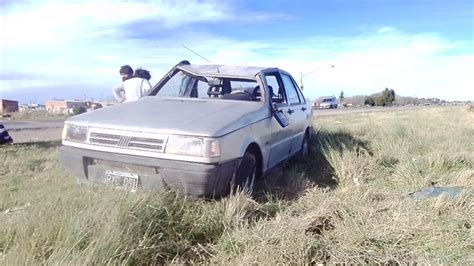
{"x": 345, "y": 203}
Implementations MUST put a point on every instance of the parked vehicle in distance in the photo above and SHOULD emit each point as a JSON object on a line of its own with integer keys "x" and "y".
{"x": 325, "y": 102}
{"x": 202, "y": 129}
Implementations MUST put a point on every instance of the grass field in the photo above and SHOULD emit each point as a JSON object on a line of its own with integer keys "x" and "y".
{"x": 347, "y": 202}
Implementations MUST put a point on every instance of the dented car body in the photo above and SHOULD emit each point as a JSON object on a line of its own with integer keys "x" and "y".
{"x": 202, "y": 129}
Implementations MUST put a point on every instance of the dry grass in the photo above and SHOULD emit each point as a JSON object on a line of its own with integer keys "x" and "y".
{"x": 346, "y": 203}
{"x": 37, "y": 115}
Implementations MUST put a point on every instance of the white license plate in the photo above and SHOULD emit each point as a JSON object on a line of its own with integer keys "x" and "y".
{"x": 122, "y": 179}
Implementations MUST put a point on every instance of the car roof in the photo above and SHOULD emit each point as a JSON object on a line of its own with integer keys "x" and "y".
{"x": 246, "y": 72}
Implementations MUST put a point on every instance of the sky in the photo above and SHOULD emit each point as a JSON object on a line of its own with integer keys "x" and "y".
{"x": 74, "y": 49}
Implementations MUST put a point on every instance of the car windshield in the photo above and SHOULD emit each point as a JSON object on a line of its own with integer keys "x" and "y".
{"x": 327, "y": 100}
{"x": 185, "y": 85}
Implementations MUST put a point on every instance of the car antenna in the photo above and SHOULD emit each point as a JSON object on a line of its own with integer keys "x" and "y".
{"x": 189, "y": 49}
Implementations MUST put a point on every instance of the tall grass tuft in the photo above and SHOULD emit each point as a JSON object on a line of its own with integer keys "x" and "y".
{"x": 346, "y": 203}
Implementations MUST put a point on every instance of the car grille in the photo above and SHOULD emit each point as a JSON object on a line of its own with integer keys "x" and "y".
{"x": 130, "y": 142}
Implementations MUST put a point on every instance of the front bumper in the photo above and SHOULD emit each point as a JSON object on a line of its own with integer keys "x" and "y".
{"x": 193, "y": 179}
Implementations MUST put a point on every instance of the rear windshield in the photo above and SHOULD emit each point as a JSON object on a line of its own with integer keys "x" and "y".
{"x": 327, "y": 100}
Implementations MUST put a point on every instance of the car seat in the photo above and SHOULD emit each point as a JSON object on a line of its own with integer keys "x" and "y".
{"x": 256, "y": 93}
{"x": 220, "y": 89}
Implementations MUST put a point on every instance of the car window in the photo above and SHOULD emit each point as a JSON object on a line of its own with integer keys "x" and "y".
{"x": 278, "y": 95}
{"x": 328, "y": 100}
{"x": 176, "y": 86}
{"x": 290, "y": 88}
{"x": 238, "y": 85}
{"x": 202, "y": 89}
{"x": 300, "y": 94}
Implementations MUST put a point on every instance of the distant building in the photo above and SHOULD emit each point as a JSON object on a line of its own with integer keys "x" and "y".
{"x": 8, "y": 106}
{"x": 31, "y": 107}
{"x": 64, "y": 106}
{"x": 68, "y": 106}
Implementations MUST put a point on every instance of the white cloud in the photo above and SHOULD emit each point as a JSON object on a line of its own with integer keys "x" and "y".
{"x": 420, "y": 65}
{"x": 65, "y": 43}
{"x": 50, "y": 22}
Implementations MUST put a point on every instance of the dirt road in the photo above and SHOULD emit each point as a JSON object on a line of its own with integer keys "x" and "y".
{"x": 35, "y": 135}
{"x": 33, "y": 130}
{"x": 37, "y": 130}
{"x": 354, "y": 110}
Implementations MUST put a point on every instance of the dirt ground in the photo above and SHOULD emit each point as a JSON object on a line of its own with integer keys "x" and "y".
{"x": 35, "y": 135}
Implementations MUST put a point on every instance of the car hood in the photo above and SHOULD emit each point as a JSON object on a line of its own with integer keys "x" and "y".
{"x": 185, "y": 116}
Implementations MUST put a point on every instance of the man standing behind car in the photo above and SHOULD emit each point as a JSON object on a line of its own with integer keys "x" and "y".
{"x": 126, "y": 72}
{"x": 132, "y": 89}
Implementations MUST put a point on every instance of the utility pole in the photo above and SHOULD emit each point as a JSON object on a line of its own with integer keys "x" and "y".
{"x": 311, "y": 72}
{"x": 301, "y": 80}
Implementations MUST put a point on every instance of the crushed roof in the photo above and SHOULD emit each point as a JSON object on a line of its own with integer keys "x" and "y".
{"x": 223, "y": 70}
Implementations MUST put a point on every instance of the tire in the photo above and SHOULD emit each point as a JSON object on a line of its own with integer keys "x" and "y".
{"x": 305, "y": 146}
{"x": 246, "y": 174}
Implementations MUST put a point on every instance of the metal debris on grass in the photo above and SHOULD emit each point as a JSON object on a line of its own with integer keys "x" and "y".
{"x": 434, "y": 192}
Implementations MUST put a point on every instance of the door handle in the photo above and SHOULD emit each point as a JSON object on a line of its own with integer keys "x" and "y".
{"x": 290, "y": 111}
{"x": 303, "y": 109}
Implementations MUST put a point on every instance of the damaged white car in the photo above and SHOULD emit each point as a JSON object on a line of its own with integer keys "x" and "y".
{"x": 202, "y": 129}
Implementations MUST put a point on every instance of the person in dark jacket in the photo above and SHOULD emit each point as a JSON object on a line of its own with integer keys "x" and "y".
{"x": 4, "y": 137}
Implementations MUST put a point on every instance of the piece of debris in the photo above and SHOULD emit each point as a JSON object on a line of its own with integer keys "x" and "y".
{"x": 434, "y": 192}
{"x": 17, "y": 209}
{"x": 4, "y": 136}
{"x": 319, "y": 225}
{"x": 356, "y": 181}
{"x": 323, "y": 223}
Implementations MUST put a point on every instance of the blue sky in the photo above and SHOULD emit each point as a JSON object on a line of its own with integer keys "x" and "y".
{"x": 73, "y": 49}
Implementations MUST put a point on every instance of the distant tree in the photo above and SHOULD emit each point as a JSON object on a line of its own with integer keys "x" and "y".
{"x": 79, "y": 110}
{"x": 341, "y": 97}
{"x": 369, "y": 101}
{"x": 380, "y": 101}
{"x": 388, "y": 96}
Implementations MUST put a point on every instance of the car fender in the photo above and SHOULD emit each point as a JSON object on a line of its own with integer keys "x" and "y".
{"x": 239, "y": 141}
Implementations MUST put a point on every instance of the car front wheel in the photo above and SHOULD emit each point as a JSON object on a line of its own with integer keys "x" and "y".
{"x": 246, "y": 174}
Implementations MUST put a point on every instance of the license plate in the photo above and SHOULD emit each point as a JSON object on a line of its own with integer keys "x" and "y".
{"x": 120, "y": 179}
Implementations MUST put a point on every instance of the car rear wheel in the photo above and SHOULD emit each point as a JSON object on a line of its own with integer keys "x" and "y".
{"x": 246, "y": 174}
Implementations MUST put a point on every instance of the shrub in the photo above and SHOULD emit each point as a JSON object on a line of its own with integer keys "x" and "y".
{"x": 79, "y": 110}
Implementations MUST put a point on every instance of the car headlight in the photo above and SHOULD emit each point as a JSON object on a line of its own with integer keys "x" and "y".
{"x": 193, "y": 146}
{"x": 75, "y": 133}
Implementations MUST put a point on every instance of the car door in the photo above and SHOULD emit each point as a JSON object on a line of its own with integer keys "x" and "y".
{"x": 297, "y": 111}
{"x": 281, "y": 137}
